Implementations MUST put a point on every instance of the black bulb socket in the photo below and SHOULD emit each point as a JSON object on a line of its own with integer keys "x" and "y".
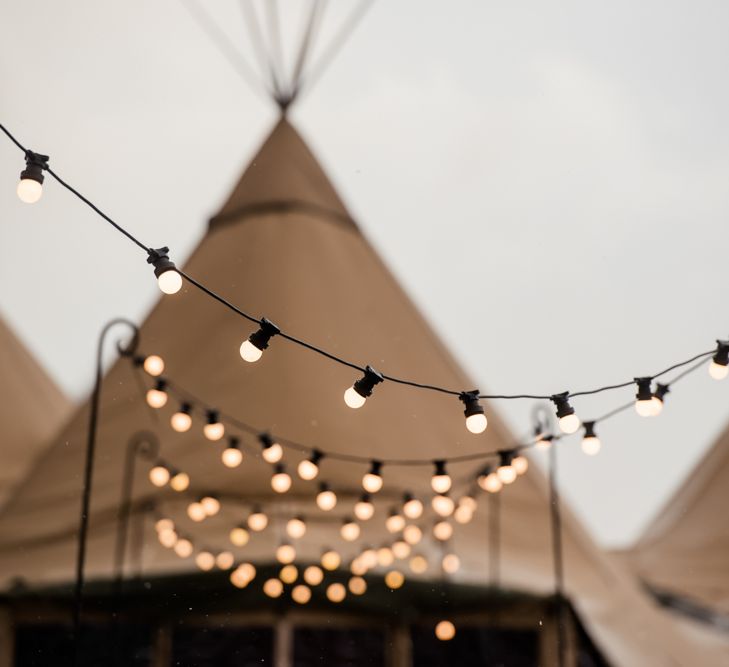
{"x": 367, "y": 382}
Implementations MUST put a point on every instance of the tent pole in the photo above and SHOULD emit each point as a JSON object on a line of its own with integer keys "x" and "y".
{"x": 88, "y": 474}
{"x": 556, "y": 526}
{"x": 495, "y": 539}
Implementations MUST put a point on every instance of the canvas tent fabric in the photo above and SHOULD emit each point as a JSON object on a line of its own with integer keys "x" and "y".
{"x": 32, "y": 410}
{"x": 285, "y": 247}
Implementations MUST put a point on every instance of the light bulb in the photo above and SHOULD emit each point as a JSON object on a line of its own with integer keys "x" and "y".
{"x": 463, "y": 514}
{"x": 590, "y": 441}
{"x": 719, "y": 367}
{"x": 183, "y": 548}
{"x": 336, "y": 592}
{"x": 257, "y": 521}
{"x": 451, "y": 563}
{"x": 412, "y": 534}
{"x": 445, "y": 631}
{"x": 154, "y": 365}
{"x": 644, "y": 403}
{"x": 506, "y": 474}
{"x": 372, "y": 480}
{"x": 718, "y": 371}
{"x": 364, "y": 509}
{"x": 181, "y": 420}
{"x": 349, "y": 531}
{"x": 289, "y": 573}
{"x": 170, "y": 282}
{"x": 252, "y": 348}
{"x": 395, "y": 522}
{"x": 440, "y": 482}
{"x": 357, "y": 586}
{"x": 205, "y": 561}
{"x": 418, "y": 564}
{"x": 358, "y": 567}
{"x": 180, "y": 482}
{"x": 443, "y": 505}
{"x": 273, "y": 588}
{"x": 468, "y": 502}
{"x": 211, "y": 505}
{"x": 658, "y": 395}
{"x": 164, "y": 524}
{"x": 168, "y": 279}
{"x": 401, "y": 549}
{"x": 489, "y": 481}
{"x": 313, "y": 575}
{"x": 286, "y": 554}
{"x": 443, "y": 531}
{"x": 520, "y": 463}
{"x": 232, "y": 457}
{"x": 569, "y": 422}
{"x": 330, "y": 560}
{"x": 369, "y": 558}
{"x": 476, "y": 421}
{"x": 272, "y": 451}
{"x": 29, "y": 190}
{"x": 157, "y": 396}
{"x": 159, "y": 475}
{"x": 281, "y": 481}
{"x": 167, "y": 538}
{"x": 248, "y": 570}
{"x": 225, "y": 560}
{"x": 196, "y": 512}
{"x": 326, "y": 499}
{"x": 239, "y": 536}
{"x": 238, "y": 578}
{"x": 309, "y": 468}
{"x": 412, "y": 508}
{"x": 543, "y": 441}
{"x": 385, "y": 557}
{"x": 394, "y": 579}
{"x": 213, "y": 430}
{"x": 356, "y": 396}
{"x": 296, "y": 528}
{"x": 301, "y": 594}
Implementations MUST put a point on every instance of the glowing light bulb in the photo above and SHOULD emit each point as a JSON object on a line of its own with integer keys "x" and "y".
{"x": 281, "y": 481}
{"x": 569, "y": 422}
{"x": 257, "y": 521}
{"x": 489, "y": 481}
{"x": 418, "y": 564}
{"x": 645, "y": 405}
{"x": 170, "y": 282}
{"x": 301, "y": 594}
{"x": 463, "y": 514}
{"x": 326, "y": 499}
{"x": 445, "y": 631}
{"x": 181, "y": 421}
{"x": 441, "y": 481}
{"x": 349, "y": 531}
{"x": 543, "y": 441}
{"x": 238, "y": 578}
{"x": 412, "y": 508}
{"x": 211, "y": 505}
{"x": 443, "y": 505}
{"x": 252, "y": 348}
{"x": 273, "y": 588}
{"x": 180, "y": 482}
{"x": 372, "y": 480}
{"x": 232, "y": 457}
{"x": 590, "y": 441}
{"x": 412, "y": 534}
{"x": 443, "y": 531}
{"x": 719, "y": 367}
{"x": 313, "y": 575}
{"x": 29, "y": 190}
{"x": 336, "y": 592}
{"x": 718, "y": 371}
{"x": 330, "y": 560}
{"x": 356, "y": 396}
{"x": 272, "y": 451}
{"x": 286, "y": 553}
{"x": 157, "y": 396}
{"x": 506, "y": 471}
{"x": 167, "y": 538}
{"x": 164, "y": 524}
{"x": 520, "y": 463}
{"x": 357, "y": 586}
{"x": 469, "y": 502}
{"x": 239, "y": 536}
{"x": 154, "y": 365}
{"x": 401, "y": 549}
{"x": 369, "y": 558}
{"x": 364, "y": 509}
{"x": 213, "y": 430}
{"x": 476, "y": 421}
{"x": 358, "y": 567}
{"x": 394, "y": 579}
{"x": 159, "y": 475}
{"x": 205, "y": 561}
{"x": 183, "y": 548}
{"x": 385, "y": 557}
{"x": 225, "y": 560}
{"x": 296, "y": 528}
{"x": 289, "y": 574}
{"x": 395, "y": 522}
{"x": 168, "y": 279}
{"x": 196, "y": 512}
{"x": 451, "y": 563}
{"x": 308, "y": 469}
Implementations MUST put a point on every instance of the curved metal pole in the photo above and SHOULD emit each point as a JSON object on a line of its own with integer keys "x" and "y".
{"x": 89, "y": 469}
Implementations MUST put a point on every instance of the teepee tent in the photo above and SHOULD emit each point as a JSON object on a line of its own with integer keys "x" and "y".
{"x": 284, "y": 246}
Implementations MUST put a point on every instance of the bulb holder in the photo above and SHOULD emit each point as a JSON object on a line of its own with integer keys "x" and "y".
{"x": 644, "y": 389}
{"x": 506, "y": 457}
{"x": 262, "y": 337}
{"x": 35, "y": 164}
{"x": 160, "y": 259}
{"x": 589, "y": 430}
{"x": 661, "y": 391}
{"x": 323, "y": 487}
{"x": 266, "y": 440}
{"x": 367, "y": 382}
{"x": 365, "y": 498}
{"x": 470, "y": 401}
{"x": 440, "y": 468}
{"x": 279, "y": 468}
{"x": 160, "y": 384}
{"x": 562, "y": 404}
{"x": 376, "y": 468}
{"x": 721, "y": 356}
{"x": 316, "y": 456}
{"x": 213, "y": 416}
{"x": 233, "y": 443}
{"x": 185, "y": 408}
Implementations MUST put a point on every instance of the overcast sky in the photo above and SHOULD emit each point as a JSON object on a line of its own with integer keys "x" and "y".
{"x": 549, "y": 181}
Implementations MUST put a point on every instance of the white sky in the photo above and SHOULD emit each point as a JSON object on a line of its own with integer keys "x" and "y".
{"x": 547, "y": 180}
